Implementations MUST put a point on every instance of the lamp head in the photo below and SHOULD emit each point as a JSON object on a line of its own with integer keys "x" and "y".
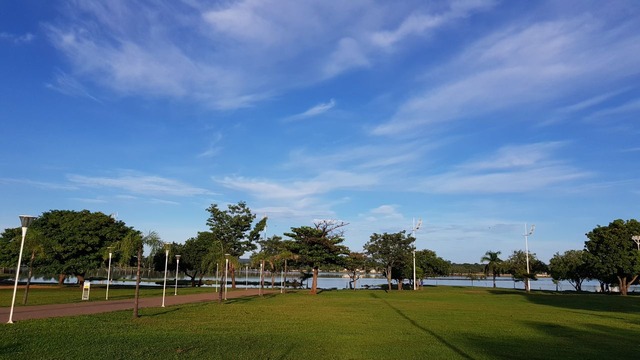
{"x": 25, "y": 220}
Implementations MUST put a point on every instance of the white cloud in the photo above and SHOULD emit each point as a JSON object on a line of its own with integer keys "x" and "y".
{"x": 17, "y": 39}
{"x": 139, "y": 184}
{"x": 68, "y": 85}
{"x": 513, "y": 169}
{"x": 314, "y": 111}
{"x": 325, "y": 182}
{"x": 511, "y": 68}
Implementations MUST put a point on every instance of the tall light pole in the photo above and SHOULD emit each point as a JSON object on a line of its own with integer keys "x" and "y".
{"x": 415, "y": 228}
{"x": 636, "y": 238}
{"x": 166, "y": 265}
{"x": 109, "y": 272}
{"x": 526, "y": 248}
{"x": 226, "y": 268}
{"x": 25, "y": 221}
{"x": 177, "y": 268}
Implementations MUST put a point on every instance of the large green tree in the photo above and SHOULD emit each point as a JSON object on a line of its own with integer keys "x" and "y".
{"x": 516, "y": 265}
{"x": 494, "y": 265}
{"x": 429, "y": 264}
{"x": 391, "y": 251}
{"x": 570, "y": 266}
{"x": 234, "y": 230}
{"x": 76, "y": 240}
{"x": 612, "y": 254}
{"x": 316, "y": 246}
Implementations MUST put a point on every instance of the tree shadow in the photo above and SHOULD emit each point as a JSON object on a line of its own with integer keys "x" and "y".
{"x": 556, "y": 341}
{"x": 420, "y": 327}
{"x": 579, "y": 301}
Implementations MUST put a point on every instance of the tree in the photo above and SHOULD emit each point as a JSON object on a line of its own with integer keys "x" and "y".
{"x": 132, "y": 245}
{"x": 353, "y": 263}
{"x": 390, "y": 251}
{"x": 317, "y": 246}
{"x": 516, "y": 265}
{"x": 76, "y": 240}
{"x": 611, "y": 254}
{"x": 570, "y": 266}
{"x": 233, "y": 229}
{"x": 494, "y": 264}
{"x": 428, "y": 264}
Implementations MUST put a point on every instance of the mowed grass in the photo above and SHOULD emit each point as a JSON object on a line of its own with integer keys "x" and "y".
{"x": 433, "y": 323}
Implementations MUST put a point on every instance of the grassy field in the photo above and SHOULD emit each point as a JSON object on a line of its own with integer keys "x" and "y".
{"x": 433, "y": 323}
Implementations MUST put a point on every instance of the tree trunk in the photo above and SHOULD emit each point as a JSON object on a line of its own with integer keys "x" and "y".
{"x": 285, "y": 276}
{"x": 136, "y": 295}
{"x": 389, "y": 277}
{"x": 494, "y": 280}
{"x": 26, "y": 289}
{"x": 61, "y": 278}
{"x": 314, "y": 283}
{"x": 400, "y": 284}
{"x": 80, "y": 278}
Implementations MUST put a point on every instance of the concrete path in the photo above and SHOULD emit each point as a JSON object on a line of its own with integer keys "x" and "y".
{"x": 102, "y": 306}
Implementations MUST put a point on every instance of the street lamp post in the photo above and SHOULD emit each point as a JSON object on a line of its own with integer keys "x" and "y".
{"x": 109, "y": 272}
{"x": 177, "y": 268}
{"x": 226, "y": 268}
{"x": 166, "y": 265}
{"x": 526, "y": 248}
{"x": 414, "y": 228}
{"x": 636, "y": 238}
{"x": 25, "y": 221}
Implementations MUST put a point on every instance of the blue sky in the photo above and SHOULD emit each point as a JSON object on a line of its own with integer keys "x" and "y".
{"x": 476, "y": 116}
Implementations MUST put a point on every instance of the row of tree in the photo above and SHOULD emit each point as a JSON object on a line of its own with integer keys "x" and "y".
{"x": 610, "y": 256}
{"x": 64, "y": 243}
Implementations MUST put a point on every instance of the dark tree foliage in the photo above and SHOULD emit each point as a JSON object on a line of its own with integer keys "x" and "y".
{"x": 516, "y": 265}
{"x": 612, "y": 255}
{"x": 317, "y": 246}
{"x": 571, "y": 266}
{"x": 76, "y": 240}
{"x": 392, "y": 252}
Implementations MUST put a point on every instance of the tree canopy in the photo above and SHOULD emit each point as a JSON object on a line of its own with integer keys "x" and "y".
{"x": 612, "y": 255}
{"x": 317, "y": 246}
{"x": 76, "y": 240}
{"x": 391, "y": 251}
{"x": 570, "y": 266}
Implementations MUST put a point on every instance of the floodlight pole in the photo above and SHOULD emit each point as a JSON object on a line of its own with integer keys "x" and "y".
{"x": 226, "y": 268}
{"x": 526, "y": 247}
{"x": 177, "y": 268}
{"x": 109, "y": 273}
{"x": 414, "y": 228}
{"x": 636, "y": 238}
{"x": 166, "y": 265}
{"x": 25, "y": 221}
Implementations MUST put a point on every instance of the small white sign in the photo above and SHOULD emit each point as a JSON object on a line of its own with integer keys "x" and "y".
{"x": 85, "y": 290}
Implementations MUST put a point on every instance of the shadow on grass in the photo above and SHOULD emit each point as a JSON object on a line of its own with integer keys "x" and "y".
{"x": 557, "y": 341}
{"x": 579, "y": 301}
{"x": 415, "y": 324}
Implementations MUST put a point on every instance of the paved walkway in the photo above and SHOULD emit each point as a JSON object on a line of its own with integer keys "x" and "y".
{"x": 102, "y": 306}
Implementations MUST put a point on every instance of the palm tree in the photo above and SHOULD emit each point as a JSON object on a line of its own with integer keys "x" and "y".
{"x": 132, "y": 244}
{"x": 494, "y": 264}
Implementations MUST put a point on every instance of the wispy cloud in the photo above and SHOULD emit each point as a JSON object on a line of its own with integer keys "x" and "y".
{"x": 17, "y": 39}
{"x": 139, "y": 184}
{"x": 325, "y": 182}
{"x": 513, "y": 169}
{"x": 524, "y": 65}
{"x": 313, "y": 111}
{"x": 246, "y": 51}
{"x": 68, "y": 85}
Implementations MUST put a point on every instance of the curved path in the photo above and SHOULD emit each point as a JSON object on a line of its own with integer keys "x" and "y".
{"x": 102, "y": 306}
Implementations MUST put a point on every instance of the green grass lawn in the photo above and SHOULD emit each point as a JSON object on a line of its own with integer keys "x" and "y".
{"x": 433, "y": 323}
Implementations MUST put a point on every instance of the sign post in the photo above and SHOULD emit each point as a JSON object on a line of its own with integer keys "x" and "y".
{"x": 85, "y": 290}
